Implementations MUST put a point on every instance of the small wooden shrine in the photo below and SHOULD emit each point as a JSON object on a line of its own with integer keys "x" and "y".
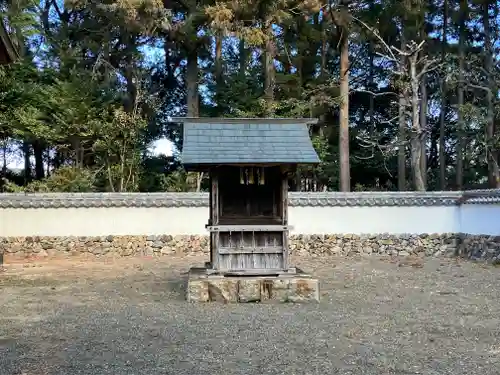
{"x": 249, "y": 162}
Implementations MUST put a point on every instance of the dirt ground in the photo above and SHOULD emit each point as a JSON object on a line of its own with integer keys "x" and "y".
{"x": 128, "y": 316}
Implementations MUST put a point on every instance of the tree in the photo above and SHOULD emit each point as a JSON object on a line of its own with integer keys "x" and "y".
{"x": 341, "y": 17}
{"x": 393, "y": 113}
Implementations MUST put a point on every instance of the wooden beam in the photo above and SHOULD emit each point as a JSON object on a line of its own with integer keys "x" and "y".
{"x": 248, "y": 228}
{"x": 254, "y": 272}
{"x": 251, "y": 250}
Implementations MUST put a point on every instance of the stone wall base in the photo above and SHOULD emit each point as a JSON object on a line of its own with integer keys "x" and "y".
{"x": 477, "y": 247}
{"x": 290, "y": 288}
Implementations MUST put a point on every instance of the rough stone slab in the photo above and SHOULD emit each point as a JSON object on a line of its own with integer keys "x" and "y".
{"x": 249, "y": 290}
{"x": 279, "y": 290}
{"x": 303, "y": 290}
{"x": 300, "y": 287}
{"x": 198, "y": 292}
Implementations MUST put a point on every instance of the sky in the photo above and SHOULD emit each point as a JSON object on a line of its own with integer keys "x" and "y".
{"x": 160, "y": 147}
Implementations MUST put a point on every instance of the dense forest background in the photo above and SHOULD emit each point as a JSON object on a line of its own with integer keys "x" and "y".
{"x": 406, "y": 91}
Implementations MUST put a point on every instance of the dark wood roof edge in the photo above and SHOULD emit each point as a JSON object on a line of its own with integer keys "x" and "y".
{"x": 248, "y": 164}
{"x": 7, "y": 42}
{"x": 246, "y": 120}
{"x": 207, "y": 167}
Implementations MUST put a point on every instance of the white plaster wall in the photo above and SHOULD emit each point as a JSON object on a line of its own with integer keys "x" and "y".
{"x": 476, "y": 219}
{"x": 480, "y": 219}
{"x": 102, "y": 221}
{"x": 371, "y": 220}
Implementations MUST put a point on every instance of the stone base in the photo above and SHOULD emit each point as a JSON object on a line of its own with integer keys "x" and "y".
{"x": 299, "y": 287}
{"x": 476, "y": 247}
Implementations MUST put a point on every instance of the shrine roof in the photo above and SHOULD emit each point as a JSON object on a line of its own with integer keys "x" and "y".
{"x": 209, "y": 141}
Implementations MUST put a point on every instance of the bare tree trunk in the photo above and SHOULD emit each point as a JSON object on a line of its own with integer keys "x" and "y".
{"x": 193, "y": 99}
{"x": 320, "y": 127}
{"x": 442, "y": 119}
{"x": 76, "y": 144}
{"x": 298, "y": 181}
{"x": 323, "y": 71}
{"x": 433, "y": 157}
{"x": 491, "y": 151}
{"x": 193, "y": 105}
{"x": 415, "y": 141}
{"x": 402, "y": 123}
{"x": 4, "y": 157}
{"x": 199, "y": 179}
{"x": 461, "y": 68}
{"x": 243, "y": 58}
{"x": 324, "y": 49}
{"x": 27, "y": 162}
{"x": 423, "y": 126}
{"x": 131, "y": 100}
{"x": 345, "y": 178}
{"x": 371, "y": 83}
{"x": 38, "y": 154}
{"x": 442, "y": 139}
{"x": 402, "y": 141}
{"x": 219, "y": 78}
{"x": 269, "y": 70}
{"x": 423, "y": 109}
{"x": 218, "y": 59}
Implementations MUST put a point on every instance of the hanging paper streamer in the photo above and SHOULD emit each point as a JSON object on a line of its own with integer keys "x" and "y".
{"x": 251, "y": 179}
{"x": 242, "y": 176}
{"x": 246, "y": 176}
{"x": 261, "y": 176}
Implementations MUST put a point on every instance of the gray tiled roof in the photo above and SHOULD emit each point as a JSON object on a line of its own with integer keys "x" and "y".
{"x": 333, "y": 199}
{"x": 223, "y": 141}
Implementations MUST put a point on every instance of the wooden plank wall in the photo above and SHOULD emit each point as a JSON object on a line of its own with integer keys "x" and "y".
{"x": 242, "y": 262}
{"x": 249, "y": 250}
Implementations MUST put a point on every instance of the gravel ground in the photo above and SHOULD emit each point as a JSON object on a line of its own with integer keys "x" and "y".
{"x": 129, "y": 317}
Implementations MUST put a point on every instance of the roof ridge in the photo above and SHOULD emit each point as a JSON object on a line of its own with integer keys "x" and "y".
{"x": 244, "y": 120}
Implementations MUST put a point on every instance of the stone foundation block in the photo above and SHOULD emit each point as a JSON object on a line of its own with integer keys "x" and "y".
{"x": 299, "y": 287}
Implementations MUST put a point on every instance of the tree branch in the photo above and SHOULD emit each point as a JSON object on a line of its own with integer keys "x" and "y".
{"x": 375, "y": 93}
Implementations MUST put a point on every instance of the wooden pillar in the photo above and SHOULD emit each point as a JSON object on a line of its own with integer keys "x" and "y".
{"x": 284, "y": 214}
{"x": 284, "y": 198}
{"x": 214, "y": 219}
{"x": 210, "y": 217}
